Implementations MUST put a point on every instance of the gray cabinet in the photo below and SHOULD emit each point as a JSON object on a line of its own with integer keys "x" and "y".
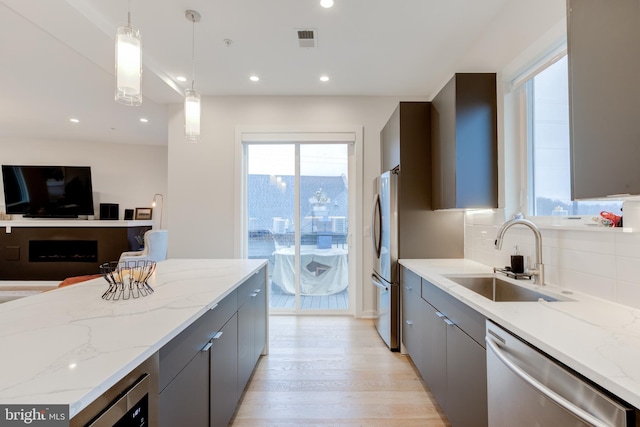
{"x": 604, "y": 65}
{"x": 412, "y": 316}
{"x": 466, "y": 380}
{"x": 245, "y": 345}
{"x": 185, "y": 401}
{"x": 260, "y": 314}
{"x": 204, "y": 370}
{"x": 251, "y": 325}
{"x": 435, "y": 354}
{"x": 464, "y": 148}
{"x": 454, "y": 357}
{"x": 406, "y": 142}
{"x": 223, "y": 377}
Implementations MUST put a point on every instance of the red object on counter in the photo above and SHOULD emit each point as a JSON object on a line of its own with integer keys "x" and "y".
{"x": 615, "y": 219}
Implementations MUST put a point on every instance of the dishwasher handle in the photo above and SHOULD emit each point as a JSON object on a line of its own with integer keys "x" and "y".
{"x": 555, "y": 397}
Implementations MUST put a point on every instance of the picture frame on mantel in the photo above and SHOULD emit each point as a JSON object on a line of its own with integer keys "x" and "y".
{"x": 143, "y": 213}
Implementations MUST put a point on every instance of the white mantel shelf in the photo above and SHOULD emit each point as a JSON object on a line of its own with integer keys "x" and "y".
{"x": 597, "y": 338}
{"x": 73, "y": 223}
{"x": 67, "y": 346}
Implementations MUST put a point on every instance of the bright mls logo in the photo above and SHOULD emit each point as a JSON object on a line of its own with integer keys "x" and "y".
{"x": 36, "y": 415}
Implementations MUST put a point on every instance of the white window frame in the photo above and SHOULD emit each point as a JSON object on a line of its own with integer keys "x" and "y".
{"x": 519, "y": 86}
{"x": 350, "y": 134}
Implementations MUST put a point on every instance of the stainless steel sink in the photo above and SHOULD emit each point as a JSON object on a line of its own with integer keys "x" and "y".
{"x": 500, "y": 290}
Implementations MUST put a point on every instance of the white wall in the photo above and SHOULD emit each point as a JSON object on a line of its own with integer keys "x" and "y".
{"x": 126, "y": 174}
{"x": 202, "y": 217}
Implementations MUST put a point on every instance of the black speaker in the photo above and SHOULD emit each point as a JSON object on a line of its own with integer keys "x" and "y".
{"x": 128, "y": 214}
{"x": 109, "y": 211}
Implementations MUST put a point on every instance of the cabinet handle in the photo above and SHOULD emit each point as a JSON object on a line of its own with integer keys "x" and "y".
{"x": 253, "y": 295}
{"x": 440, "y": 315}
{"x": 408, "y": 288}
{"x": 257, "y": 291}
{"x": 207, "y": 346}
{"x": 448, "y": 322}
{"x": 217, "y": 336}
{"x": 409, "y": 322}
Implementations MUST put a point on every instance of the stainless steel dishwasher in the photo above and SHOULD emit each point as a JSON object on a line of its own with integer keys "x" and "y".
{"x": 527, "y": 388}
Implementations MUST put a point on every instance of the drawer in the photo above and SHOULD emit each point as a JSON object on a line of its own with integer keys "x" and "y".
{"x": 465, "y": 317}
{"x": 249, "y": 287}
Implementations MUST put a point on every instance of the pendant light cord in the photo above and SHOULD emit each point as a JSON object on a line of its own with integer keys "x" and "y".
{"x": 193, "y": 53}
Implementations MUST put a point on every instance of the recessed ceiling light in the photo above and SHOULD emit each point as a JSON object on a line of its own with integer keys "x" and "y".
{"x": 326, "y": 3}
{"x": 254, "y": 78}
{"x": 324, "y": 78}
{"x": 181, "y": 78}
{"x": 143, "y": 120}
{"x": 74, "y": 120}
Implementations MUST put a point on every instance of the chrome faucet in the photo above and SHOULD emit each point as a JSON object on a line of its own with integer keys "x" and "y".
{"x": 538, "y": 270}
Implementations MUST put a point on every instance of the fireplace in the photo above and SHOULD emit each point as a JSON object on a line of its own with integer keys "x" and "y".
{"x": 63, "y": 251}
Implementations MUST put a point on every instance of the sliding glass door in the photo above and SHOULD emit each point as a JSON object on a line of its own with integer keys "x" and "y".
{"x": 297, "y": 218}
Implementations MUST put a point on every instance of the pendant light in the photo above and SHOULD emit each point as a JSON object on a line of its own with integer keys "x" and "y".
{"x": 191, "y": 97}
{"x": 128, "y": 64}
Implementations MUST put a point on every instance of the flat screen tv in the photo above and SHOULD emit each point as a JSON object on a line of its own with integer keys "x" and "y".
{"x": 48, "y": 191}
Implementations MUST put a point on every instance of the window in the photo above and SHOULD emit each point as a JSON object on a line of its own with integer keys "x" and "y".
{"x": 549, "y": 160}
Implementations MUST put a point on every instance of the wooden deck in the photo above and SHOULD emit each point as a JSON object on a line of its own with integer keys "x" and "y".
{"x": 339, "y": 301}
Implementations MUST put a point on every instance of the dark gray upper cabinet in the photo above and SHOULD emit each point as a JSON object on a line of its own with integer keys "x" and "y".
{"x": 464, "y": 143}
{"x": 604, "y": 65}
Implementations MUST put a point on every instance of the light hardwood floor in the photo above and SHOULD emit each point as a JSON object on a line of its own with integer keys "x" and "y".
{"x": 334, "y": 371}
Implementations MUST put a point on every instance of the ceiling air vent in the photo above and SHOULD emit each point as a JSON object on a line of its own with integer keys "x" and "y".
{"x": 306, "y": 38}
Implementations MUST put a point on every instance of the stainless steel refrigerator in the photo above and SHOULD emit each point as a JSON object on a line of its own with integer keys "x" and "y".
{"x": 404, "y": 227}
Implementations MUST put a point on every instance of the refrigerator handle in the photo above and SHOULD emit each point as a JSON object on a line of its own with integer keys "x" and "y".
{"x": 378, "y": 283}
{"x": 376, "y": 216}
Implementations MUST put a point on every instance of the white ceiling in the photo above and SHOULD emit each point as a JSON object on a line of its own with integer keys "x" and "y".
{"x": 56, "y": 56}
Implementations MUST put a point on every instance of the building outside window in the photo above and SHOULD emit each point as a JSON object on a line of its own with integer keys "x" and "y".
{"x": 548, "y": 151}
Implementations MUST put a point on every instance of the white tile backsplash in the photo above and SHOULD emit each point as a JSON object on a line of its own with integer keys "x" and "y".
{"x": 628, "y": 293}
{"x": 605, "y": 264}
{"x": 628, "y": 269}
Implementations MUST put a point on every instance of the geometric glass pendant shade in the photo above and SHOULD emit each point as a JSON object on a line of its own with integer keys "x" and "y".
{"x": 128, "y": 65}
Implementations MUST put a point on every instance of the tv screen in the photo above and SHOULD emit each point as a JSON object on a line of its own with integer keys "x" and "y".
{"x": 48, "y": 191}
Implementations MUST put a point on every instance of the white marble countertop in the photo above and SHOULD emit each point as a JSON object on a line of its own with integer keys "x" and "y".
{"x": 597, "y": 338}
{"x": 67, "y": 346}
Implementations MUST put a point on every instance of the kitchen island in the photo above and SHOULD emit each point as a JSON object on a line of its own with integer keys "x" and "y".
{"x": 596, "y": 338}
{"x": 68, "y": 346}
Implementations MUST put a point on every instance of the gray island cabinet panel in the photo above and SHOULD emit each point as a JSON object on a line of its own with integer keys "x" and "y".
{"x": 223, "y": 376}
{"x": 604, "y": 65}
{"x": 204, "y": 370}
{"x": 185, "y": 401}
{"x": 251, "y": 331}
{"x": 464, "y": 144}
